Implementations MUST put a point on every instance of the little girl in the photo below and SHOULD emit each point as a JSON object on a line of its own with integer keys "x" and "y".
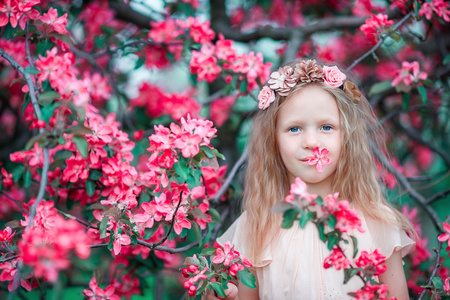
{"x": 306, "y": 106}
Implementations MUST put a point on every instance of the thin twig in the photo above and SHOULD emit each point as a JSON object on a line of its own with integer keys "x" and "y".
{"x": 8, "y": 259}
{"x": 438, "y": 196}
{"x": 436, "y": 266}
{"x": 171, "y": 224}
{"x": 16, "y": 201}
{"x": 381, "y": 41}
{"x": 230, "y": 177}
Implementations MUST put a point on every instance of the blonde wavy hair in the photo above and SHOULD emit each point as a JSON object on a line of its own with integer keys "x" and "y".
{"x": 356, "y": 178}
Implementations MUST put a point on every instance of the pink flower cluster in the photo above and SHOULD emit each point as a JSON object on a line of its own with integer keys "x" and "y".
{"x": 18, "y": 12}
{"x": 95, "y": 292}
{"x": 157, "y": 102}
{"x": 60, "y": 70}
{"x": 47, "y": 242}
{"x": 225, "y": 259}
{"x": 409, "y": 73}
{"x": 374, "y": 26}
{"x": 205, "y": 64}
{"x": 194, "y": 274}
{"x": 347, "y": 219}
{"x": 337, "y": 259}
{"x": 445, "y": 237}
{"x": 372, "y": 263}
{"x": 373, "y": 291}
{"x": 439, "y": 7}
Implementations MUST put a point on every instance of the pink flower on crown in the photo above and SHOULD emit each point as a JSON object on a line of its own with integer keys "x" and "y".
{"x": 319, "y": 159}
{"x": 266, "y": 97}
{"x": 333, "y": 76}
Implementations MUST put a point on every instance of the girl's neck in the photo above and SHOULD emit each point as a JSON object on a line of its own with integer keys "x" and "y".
{"x": 321, "y": 189}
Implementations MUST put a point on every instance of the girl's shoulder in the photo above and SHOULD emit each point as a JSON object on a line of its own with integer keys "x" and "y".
{"x": 385, "y": 235}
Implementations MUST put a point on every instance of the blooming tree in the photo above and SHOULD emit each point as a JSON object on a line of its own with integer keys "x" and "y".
{"x": 114, "y": 115}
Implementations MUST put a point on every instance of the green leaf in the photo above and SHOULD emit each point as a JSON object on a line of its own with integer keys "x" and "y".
{"x": 65, "y": 38}
{"x": 321, "y": 227}
{"x": 423, "y": 93}
{"x": 234, "y": 81}
{"x": 95, "y": 174}
{"x": 9, "y": 31}
{"x": 406, "y": 98}
{"x": 395, "y": 36}
{"x": 380, "y": 87}
{"x": 133, "y": 239}
{"x": 247, "y": 278}
{"x": 43, "y": 46}
{"x": 349, "y": 273}
{"x": 25, "y": 103}
{"x": 111, "y": 241}
{"x": 36, "y": 139}
{"x": 48, "y": 97}
{"x": 306, "y": 216}
{"x": 82, "y": 145}
{"x": 417, "y": 6}
{"x": 437, "y": 282}
{"x": 144, "y": 197}
{"x": 219, "y": 155}
{"x": 197, "y": 232}
{"x": 191, "y": 261}
{"x": 181, "y": 171}
{"x": 17, "y": 172}
{"x": 331, "y": 221}
{"x": 218, "y": 288}
{"x": 355, "y": 246}
{"x": 215, "y": 216}
{"x": 289, "y": 217}
{"x": 332, "y": 240}
{"x": 208, "y": 251}
{"x": 208, "y": 152}
{"x": 30, "y": 70}
{"x": 47, "y": 112}
{"x": 446, "y": 59}
{"x": 27, "y": 179}
{"x": 102, "y": 227}
{"x": 243, "y": 85}
{"x": 281, "y": 207}
{"x": 90, "y": 188}
{"x": 78, "y": 129}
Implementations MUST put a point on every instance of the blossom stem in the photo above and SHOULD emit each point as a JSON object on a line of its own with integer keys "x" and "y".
{"x": 8, "y": 259}
{"x": 436, "y": 266}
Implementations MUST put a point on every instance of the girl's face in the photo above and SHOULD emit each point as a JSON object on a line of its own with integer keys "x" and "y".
{"x": 309, "y": 119}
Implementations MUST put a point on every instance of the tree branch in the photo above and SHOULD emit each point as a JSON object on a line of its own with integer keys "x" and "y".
{"x": 437, "y": 196}
{"x": 381, "y": 41}
{"x": 404, "y": 182}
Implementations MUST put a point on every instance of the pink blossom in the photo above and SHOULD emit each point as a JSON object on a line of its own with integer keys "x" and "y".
{"x": 375, "y": 25}
{"x": 199, "y": 31}
{"x": 188, "y": 144}
{"x": 445, "y": 237}
{"x": 447, "y": 285}
{"x": 9, "y": 273}
{"x": 204, "y": 64}
{"x": 95, "y": 292}
{"x": 372, "y": 292}
{"x": 440, "y": 7}
{"x": 266, "y": 97}
{"x": 119, "y": 240}
{"x": 220, "y": 109}
{"x": 53, "y": 22}
{"x": 319, "y": 159}
{"x": 224, "y": 255}
{"x": 333, "y": 76}
{"x": 336, "y": 259}
{"x": 6, "y": 235}
{"x": 347, "y": 218}
{"x": 408, "y": 74}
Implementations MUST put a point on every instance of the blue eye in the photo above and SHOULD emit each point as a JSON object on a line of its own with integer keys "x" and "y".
{"x": 327, "y": 128}
{"x": 294, "y": 129}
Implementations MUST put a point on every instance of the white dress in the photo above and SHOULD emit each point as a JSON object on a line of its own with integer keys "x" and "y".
{"x": 292, "y": 267}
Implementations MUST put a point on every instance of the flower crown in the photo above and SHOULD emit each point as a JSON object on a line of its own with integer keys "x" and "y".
{"x": 283, "y": 80}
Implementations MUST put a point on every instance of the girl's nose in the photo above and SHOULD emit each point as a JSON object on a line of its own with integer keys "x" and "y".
{"x": 310, "y": 140}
